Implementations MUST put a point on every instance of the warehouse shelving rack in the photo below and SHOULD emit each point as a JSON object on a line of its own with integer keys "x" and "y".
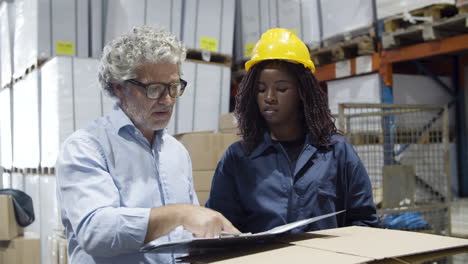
{"x": 425, "y": 57}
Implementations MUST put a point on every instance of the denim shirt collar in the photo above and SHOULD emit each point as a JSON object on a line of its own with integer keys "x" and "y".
{"x": 267, "y": 142}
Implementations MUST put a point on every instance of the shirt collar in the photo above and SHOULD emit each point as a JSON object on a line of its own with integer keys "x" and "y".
{"x": 267, "y": 142}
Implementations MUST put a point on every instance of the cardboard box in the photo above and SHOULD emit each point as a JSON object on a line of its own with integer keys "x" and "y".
{"x": 343, "y": 245}
{"x": 228, "y": 122}
{"x": 21, "y": 250}
{"x": 8, "y": 226}
{"x": 202, "y": 197}
{"x": 202, "y": 180}
{"x": 206, "y": 149}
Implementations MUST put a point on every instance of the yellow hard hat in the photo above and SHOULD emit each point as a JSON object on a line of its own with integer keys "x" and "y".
{"x": 280, "y": 44}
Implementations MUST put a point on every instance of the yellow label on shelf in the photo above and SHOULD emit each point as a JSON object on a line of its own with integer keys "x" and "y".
{"x": 294, "y": 31}
{"x": 65, "y": 48}
{"x": 248, "y": 49}
{"x": 210, "y": 44}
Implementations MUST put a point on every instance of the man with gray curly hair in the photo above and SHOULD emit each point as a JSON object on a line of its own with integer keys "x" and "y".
{"x": 122, "y": 181}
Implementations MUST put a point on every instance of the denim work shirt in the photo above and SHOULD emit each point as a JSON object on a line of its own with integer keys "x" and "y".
{"x": 260, "y": 190}
{"x": 108, "y": 178}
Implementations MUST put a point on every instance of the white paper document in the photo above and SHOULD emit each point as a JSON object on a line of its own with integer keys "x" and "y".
{"x": 201, "y": 244}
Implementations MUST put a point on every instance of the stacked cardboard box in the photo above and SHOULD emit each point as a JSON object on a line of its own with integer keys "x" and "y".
{"x": 14, "y": 246}
{"x": 228, "y": 124}
{"x": 205, "y": 149}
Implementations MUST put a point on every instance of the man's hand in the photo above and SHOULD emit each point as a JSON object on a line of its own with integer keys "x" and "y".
{"x": 201, "y": 221}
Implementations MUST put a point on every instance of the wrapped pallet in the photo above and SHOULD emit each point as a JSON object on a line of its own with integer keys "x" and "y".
{"x": 26, "y": 148}
{"x": 123, "y": 15}
{"x": 6, "y": 139}
{"x": 255, "y": 17}
{"x": 341, "y": 17}
{"x": 389, "y": 8}
{"x": 209, "y": 25}
{"x": 70, "y": 100}
{"x": 206, "y": 97}
{"x": 7, "y": 29}
{"x": 45, "y": 28}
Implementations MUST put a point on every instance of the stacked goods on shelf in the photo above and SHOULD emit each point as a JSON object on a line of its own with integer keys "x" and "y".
{"x": 255, "y": 17}
{"x": 389, "y": 8}
{"x": 15, "y": 245}
{"x": 228, "y": 123}
{"x": 205, "y": 149}
{"x": 26, "y": 130}
{"x": 422, "y": 21}
{"x": 7, "y": 29}
{"x": 47, "y": 28}
{"x": 6, "y": 138}
{"x": 70, "y": 100}
{"x": 348, "y": 30}
{"x": 123, "y": 15}
{"x": 208, "y": 25}
{"x": 206, "y": 97}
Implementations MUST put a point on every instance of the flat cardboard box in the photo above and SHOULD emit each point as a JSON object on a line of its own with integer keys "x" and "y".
{"x": 206, "y": 149}
{"x": 202, "y": 180}
{"x": 343, "y": 245}
{"x": 227, "y": 121}
{"x": 202, "y": 197}
{"x": 21, "y": 250}
{"x": 9, "y": 229}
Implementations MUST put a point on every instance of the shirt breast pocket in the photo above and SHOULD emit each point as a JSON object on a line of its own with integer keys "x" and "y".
{"x": 327, "y": 197}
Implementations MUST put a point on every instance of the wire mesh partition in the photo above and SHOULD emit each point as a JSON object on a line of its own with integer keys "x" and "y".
{"x": 405, "y": 151}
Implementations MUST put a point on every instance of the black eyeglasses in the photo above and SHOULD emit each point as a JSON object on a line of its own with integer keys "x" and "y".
{"x": 156, "y": 90}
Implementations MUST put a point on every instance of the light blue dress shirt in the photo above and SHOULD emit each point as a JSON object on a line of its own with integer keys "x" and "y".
{"x": 108, "y": 178}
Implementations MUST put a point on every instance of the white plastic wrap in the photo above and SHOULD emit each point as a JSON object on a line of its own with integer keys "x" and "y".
{"x": 7, "y": 28}
{"x": 206, "y": 97}
{"x": 207, "y": 94}
{"x": 257, "y": 16}
{"x": 45, "y": 28}
{"x": 6, "y": 180}
{"x": 96, "y": 34}
{"x": 86, "y": 91}
{"x": 49, "y": 213}
{"x": 418, "y": 89}
{"x": 343, "y": 16}
{"x": 26, "y": 151}
{"x": 17, "y": 181}
{"x": 212, "y": 19}
{"x": 70, "y": 100}
{"x": 185, "y": 104}
{"x": 56, "y": 107}
{"x": 388, "y": 8}
{"x": 360, "y": 89}
{"x": 31, "y": 187}
{"x": 6, "y": 146}
{"x": 165, "y": 13}
{"x": 122, "y": 16}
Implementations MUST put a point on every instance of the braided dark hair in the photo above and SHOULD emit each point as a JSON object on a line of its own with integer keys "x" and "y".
{"x": 319, "y": 123}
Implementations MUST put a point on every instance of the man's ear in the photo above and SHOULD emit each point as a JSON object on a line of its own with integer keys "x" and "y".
{"x": 118, "y": 89}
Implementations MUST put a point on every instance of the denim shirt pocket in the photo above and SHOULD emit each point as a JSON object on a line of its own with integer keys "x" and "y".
{"x": 327, "y": 197}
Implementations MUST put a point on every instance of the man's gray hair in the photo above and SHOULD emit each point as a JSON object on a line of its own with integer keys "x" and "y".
{"x": 143, "y": 45}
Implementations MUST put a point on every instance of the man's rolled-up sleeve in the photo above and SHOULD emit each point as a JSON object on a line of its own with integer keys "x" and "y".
{"x": 91, "y": 202}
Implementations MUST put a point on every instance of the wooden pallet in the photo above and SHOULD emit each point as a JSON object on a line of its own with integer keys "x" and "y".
{"x": 209, "y": 57}
{"x": 441, "y": 29}
{"x": 363, "y": 45}
{"x": 349, "y": 35}
{"x": 433, "y": 12}
{"x": 30, "y": 69}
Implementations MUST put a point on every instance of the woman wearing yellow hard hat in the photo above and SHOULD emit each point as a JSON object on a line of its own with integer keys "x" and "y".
{"x": 291, "y": 163}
